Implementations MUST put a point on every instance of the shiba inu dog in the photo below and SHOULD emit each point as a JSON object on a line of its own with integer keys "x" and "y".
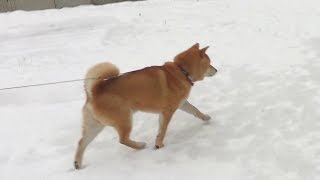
{"x": 113, "y": 98}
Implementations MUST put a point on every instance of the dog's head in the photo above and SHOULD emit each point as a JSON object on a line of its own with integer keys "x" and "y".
{"x": 196, "y": 62}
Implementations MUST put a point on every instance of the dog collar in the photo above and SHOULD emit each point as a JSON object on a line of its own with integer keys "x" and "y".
{"x": 186, "y": 74}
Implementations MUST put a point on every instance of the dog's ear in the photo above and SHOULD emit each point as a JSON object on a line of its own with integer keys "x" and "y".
{"x": 195, "y": 46}
{"x": 203, "y": 50}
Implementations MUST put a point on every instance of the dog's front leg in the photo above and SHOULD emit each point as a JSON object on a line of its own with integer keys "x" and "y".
{"x": 189, "y": 108}
{"x": 164, "y": 119}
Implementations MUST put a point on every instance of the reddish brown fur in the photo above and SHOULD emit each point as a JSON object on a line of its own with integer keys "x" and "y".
{"x": 158, "y": 89}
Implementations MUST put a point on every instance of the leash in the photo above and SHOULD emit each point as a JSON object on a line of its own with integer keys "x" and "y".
{"x": 83, "y": 79}
{"x": 49, "y": 83}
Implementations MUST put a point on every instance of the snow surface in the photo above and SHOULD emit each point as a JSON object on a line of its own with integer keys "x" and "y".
{"x": 264, "y": 102}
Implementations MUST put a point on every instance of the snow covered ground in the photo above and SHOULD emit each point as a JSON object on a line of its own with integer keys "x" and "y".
{"x": 264, "y": 102}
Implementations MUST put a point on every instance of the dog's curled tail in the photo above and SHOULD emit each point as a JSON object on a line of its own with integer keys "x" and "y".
{"x": 98, "y": 73}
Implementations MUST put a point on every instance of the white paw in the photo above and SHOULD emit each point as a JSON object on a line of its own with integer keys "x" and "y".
{"x": 141, "y": 145}
{"x": 159, "y": 146}
{"x": 206, "y": 117}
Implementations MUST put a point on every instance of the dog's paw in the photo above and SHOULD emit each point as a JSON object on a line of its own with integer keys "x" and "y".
{"x": 76, "y": 165}
{"x": 141, "y": 145}
{"x": 205, "y": 117}
{"x": 158, "y": 146}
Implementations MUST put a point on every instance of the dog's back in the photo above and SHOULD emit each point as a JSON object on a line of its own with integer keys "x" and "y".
{"x": 151, "y": 89}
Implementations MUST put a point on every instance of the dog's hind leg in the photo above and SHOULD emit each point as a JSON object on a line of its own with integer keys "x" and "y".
{"x": 124, "y": 128}
{"x": 91, "y": 128}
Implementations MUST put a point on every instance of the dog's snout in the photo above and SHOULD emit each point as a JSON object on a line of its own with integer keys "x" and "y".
{"x": 216, "y": 70}
{"x": 211, "y": 71}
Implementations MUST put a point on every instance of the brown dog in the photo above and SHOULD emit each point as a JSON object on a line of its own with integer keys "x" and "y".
{"x": 114, "y": 98}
